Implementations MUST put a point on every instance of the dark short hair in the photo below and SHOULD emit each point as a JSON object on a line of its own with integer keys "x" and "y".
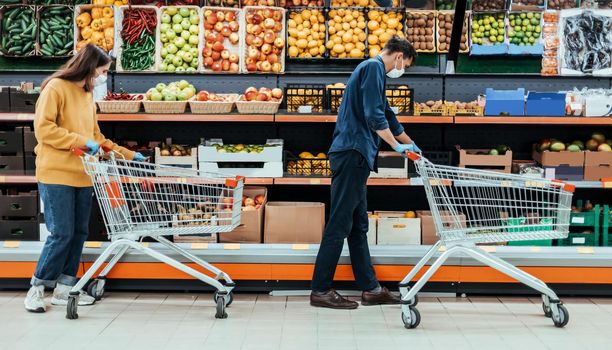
{"x": 397, "y": 44}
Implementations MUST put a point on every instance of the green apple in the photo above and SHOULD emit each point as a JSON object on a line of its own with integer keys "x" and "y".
{"x": 170, "y": 96}
{"x": 164, "y": 52}
{"x": 194, "y": 40}
{"x": 184, "y": 12}
{"x": 194, "y": 63}
{"x": 177, "y": 28}
{"x": 182, "y": 84}
{"x": 190, "y": 91}
{"x": 150, "y": 92}
{"x": 163, "y": 38}
{"x": 177, "y": 61}
{"x": 193, "y": 29}
{"x": 166, "y": 18}
{"x": 185, "y": 35}
{"x": 193, "y": 51}
{"x": 182, "y": 96}
{"x": 187, "y": 57}
{"x": 185, "y": 24}
{"x": 156, "y": 96}
{"x": 194, "y": 19}
{"x": 171, "y": 10}
{"x": 164, "y": 27}
{"x": 160, "y": 87}
{"x": 180, "y": 69}
{"x": 187, "y": 47}
{"x": 179, "y": 42}
{"x": 163, "y": 67}
{"x": 177, "y": 19}
{"x": 172, "y": 48}
{"x": 170, "y": 34}
{"x": 193, "y": 12}
{"x": 191, "y": 70}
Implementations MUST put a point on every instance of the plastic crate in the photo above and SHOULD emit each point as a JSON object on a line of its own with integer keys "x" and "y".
{"x": 334, "y": 98}
{"x": 401, "y": 99}
{"x": 306, "y": 166}
{"x": 439, "y": 157}
{"x": 606, "y": 223}
{"x": 305, "y": 98}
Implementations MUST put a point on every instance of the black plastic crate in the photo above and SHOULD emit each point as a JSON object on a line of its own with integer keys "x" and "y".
{"x": 23, "y": 102}
{"x": 19, "y": 230}
{"x": 11, "y": 142}
{"x": 334, "y": 98}
{"x": 436, "y": 157}
{"x": 300, "y": 97}
{"x": 5, "y": 100}
{"x": 402, "y": 98}
{"x": 19, "y": 205}
{"x": 29, "y": 140}
{"x": 306, "y": 165}
{"x": 11, "y": 163}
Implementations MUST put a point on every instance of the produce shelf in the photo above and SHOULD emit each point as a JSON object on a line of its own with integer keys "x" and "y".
{"x": 304, "y": 118}
{"x": 186, "y": 117}
{"x": 13, "y": 178}
{"x": 535, "y": 120}
{"x": 425, "y": 120}
{"x": 12, "y": 117}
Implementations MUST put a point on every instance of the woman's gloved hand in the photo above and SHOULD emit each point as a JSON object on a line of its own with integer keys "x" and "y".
{"x": 138, "y": 157}
{"x": 92, "y": 147}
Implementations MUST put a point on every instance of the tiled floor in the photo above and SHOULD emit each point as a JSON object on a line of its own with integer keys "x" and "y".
{"x": 186, "y": 321}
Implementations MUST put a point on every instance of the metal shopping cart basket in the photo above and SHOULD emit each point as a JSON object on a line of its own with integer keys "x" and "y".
{"x": 472, "y": 206}
{"x": 140, "y": 200}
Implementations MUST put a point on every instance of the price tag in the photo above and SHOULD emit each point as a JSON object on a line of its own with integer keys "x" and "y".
{"x": 506, "y": 184}
{"x": 489, "y": 248}
{"x": 315, "y": 181}
{"x": 579, "y": 240}
{"x": 145, "y": 244}
{"x": 11, "y": 244}
{"x": 231, "y": 246}
{"x": 535, "y": 249}
{"x": 585, "y": 250}
{"x": 199, "y": 245}
{"x": 578, "y": 220}
{"x": 2, "y": 179}
{"x": 181, "y": 180}
{"x": 93, "y": 244}
{"x": 416, "y": 181}
{"x": 305, "y": 109}
{"x": 538, "y": 184}
{"x": 300, "y": 246}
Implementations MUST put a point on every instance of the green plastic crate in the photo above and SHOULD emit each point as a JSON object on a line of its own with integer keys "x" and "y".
{"x": 580, "y": 239}
{"x": 606, "y": 224}
{"x": 544, "y": 225}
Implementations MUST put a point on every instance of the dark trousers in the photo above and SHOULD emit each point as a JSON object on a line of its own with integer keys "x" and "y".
{"x": 67, "y": 212}
{"x": 348, "y": 220}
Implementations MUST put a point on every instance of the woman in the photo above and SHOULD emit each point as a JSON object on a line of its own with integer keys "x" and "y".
{"x": 65, "y": 119}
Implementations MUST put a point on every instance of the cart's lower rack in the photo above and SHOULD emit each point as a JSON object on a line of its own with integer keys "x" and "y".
{"x": 283, "y": 262}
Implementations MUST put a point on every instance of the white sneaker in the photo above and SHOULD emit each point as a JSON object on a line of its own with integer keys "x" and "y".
{"x": 61, "y": 292}
{"x": 35, "y": 300}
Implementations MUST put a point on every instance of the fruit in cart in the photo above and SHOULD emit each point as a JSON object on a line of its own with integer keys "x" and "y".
{"x": 488, "y": 29}
{"x": 221, "y": 38}
{"x": 179, "y": 36}
{"x": 306, "y": 34}
{"x": 445, "y": 29}
{"x": 347, "y": 33}
{"x": 264, "y": 40}
{"x": 420, "y": 30}
{"x": 525, "y": 28}
{"x": 383, "y": 26}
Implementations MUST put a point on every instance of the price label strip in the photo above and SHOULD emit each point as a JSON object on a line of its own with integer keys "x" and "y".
{"x": 585, "y": 250}
{"x": 231, "y": 246}
{"x": 300, "y": 247}
{"x": 93, "y": 244}
{"x": 199, "y": 245}
{"x": 11, "y": 244}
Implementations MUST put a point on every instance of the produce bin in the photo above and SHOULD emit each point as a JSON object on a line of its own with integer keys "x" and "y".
{"x": 305, "y": 98}
{"x": 429, "y": 235}
{"x": 19, "y": 205}
{"x": 234, "y": 60}
{"x": 563, "y": 165}
{"x": 391, "y": 165}
{"x": 140, "y": 47}
{"x": 251, "y": 221}
{"x": 308, "y": 166}
{"x": 334, "y": 98}
{"x": 294, "y": 222}
{"x": 11, "y": 163}
{"x": 103, "y": 39}
{"x": 597, "y": 165}
{"x": 188, "y": 161}
{"x": 550, "y": 104}
{"x": 56, "y": 40}
{"x": 297, "y": 53}
{"x": 14, "y": 40}
{"x": 395, "y": 229}
{"x": 23, "y": 102}
{"x": 400, "y": 99}
{"x": 267, "y": 163}
{"x": 19, "y": 230}
{"x": 481, "y": 159}
{"x": 505, "y": 102}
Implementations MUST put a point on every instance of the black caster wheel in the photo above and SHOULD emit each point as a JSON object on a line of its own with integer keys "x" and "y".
{"x": 221, "y": 314}
{"x": 71, "y": 308}
{"x": 415, "y": 318}
{"x": 96, "y": 289}
{"x": 547, "y": 311}
{"x": 230, "y": 298}
{"x": 563, "y": 317}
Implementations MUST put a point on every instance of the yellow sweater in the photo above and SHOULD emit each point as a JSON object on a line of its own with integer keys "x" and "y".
{"x": 65, "y": 119}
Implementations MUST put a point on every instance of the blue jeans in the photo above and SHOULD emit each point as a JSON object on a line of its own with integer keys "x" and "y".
{"x": 67, "y": 211}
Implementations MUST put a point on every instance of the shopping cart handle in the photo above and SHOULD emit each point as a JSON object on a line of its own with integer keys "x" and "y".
{"x": 79, "y": 152}
{"x": 413, "y": 156}
{"x": 233, "y": 183}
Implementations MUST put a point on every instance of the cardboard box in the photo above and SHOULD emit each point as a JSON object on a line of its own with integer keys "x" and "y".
{"x": 372, "y": 231}
{"x": 553, "y": 159}
{"x": 597, "y": 105}
{"x": 294, "y": 222}
{"x": 391, "y": 165}
{"x": 467, "y": 159}
{"x": 597, "y": 165}
{"x": 251, "y": 222}
{"x": 395, "y": 229}
{"x": 22, "y": 102}
{"x": 429, "y": 235}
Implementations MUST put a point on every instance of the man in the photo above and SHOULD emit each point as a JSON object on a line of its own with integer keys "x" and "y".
{"x": 364, "y": 118}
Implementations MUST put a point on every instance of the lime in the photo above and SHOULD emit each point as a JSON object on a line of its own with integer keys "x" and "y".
{"x": 538, "y": 29}
{"x": 487, "y": 27}
{"x": 500, "y": 38}
{"x": 525, "y": 22}
{"x": 475, "y": 26}
{"x": 512, "y": 23}
{"x": 494, "y": 25}
{"x": 511, "y": 34}
{"x": 486, "y": 21}
{"x": 492, "y": 39}
{"x": 493, "y": 31}
{"x": 532, "y": 40}
{"x": 523, "y": 15}
{"x": 487, "y": 33}
{"x": 530, "y": 15}
{"x": 481, "y": 29}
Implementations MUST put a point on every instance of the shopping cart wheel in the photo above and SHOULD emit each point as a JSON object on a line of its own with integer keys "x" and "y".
{"x": 415, "y": 318}
{"x": 96, "y": 289}
{"x": 563, "y": 317}
{"x": 547, "y": 311}
{"x": 221, "y": 309}
{"x": 230, "y": 298}
{"x": 404, "y": 290}
{"x": 71, "y": 307}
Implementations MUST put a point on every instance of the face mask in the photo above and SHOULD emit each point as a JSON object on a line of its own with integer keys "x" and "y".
{"x": 100, "y": 80}
{"x": 395, "y": 73}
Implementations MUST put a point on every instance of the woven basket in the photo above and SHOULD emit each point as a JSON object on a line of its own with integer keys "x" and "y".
{"x": 119, "y": 106}
{"x": 256, "y": 107}
{"x": 213, "y": 107}
{"x": 165, "y": 107}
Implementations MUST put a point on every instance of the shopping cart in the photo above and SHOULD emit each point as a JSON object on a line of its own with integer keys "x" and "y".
{"x": 472, "y": 206}
{"x": 141, "y": 200}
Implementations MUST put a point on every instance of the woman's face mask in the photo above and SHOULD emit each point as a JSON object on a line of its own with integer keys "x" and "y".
{"x": 100, "y": 80}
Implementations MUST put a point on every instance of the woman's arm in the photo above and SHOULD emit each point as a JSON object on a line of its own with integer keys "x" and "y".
{"x": 100, "y": 139}
{"x": 46, "y": 129}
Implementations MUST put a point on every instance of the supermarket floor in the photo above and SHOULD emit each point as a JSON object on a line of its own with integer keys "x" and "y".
{"x": 185, "y": 321}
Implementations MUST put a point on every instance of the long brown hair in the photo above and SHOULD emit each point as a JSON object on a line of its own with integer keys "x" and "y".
{"x": 82, "y": 66}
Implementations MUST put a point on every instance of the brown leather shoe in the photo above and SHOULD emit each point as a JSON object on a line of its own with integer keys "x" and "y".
{"x": 383, "y": 298}
{"x": 332, "y": 300}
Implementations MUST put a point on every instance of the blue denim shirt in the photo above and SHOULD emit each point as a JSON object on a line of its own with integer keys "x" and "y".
{"x": 364, "y": 109}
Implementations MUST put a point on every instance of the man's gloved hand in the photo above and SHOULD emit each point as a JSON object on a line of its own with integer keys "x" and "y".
{"x": 138, "y": 157}
{"x": 402, "y": 148}
{"x": 415, "y": 148}
{"x": 92, "y": 147}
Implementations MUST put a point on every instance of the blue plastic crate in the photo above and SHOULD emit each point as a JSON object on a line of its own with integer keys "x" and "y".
{"x": 505, "y": 102}
{"x": 489, "y": 50}
{"x": 527, "y": 50}
{"x": 545, "y": 104}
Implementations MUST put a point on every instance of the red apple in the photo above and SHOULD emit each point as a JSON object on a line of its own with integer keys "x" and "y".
{"x": 233, "y": 58}
{"x": 212, "y": 20}
{"x": 226, "y": 31}
{"x": 225, "y": 64}
{"x": 216, "y": 67}
{"x": 219, "y": 26}
{"x": 249, "y": 202}
{"x": 234, "y": 38}
{"x": 234, "y": 67}
{"x": 277, "y": 16}
{"x": 202, "y": 96}
{"x": 269, "y": 23}
{"x": 269, "y": 36}
{"x": 268, "y": 13}
{"x": 225, "y": 54}
{"x": 211, "y": 38}
{"x": 220, "y": 16}
{"x": 230, "y": 16}
{"x": 208, "y": 26}
{"x": 234, "y": 26}
{"x": 278, "y": 27}
{"x": 262, "y": 97}
{"x": 272, "y": 58}
{"x": 260, "y": 199}
{"x": 266, "y": 66}
{"x": 277, "y": 50}
{"x": 279, "y": 43}
{"x": 207, "y": 52}
{"x": 249, "y": 39}
{"x": 208, "y": 61}
{"x": 276, "y": 93}
{"x": 253, "y": 53}
{"x": 250, "y": 60}
{"x": 256, "y": 18}
{"x": 219, "y": 37}
{"x": 258, "y": 41}
{"x": 251, "y": 95}
{"x": 207, "y": 13}
{"x": 216, "y": 55}
{"x": 218, "y": 47}
{"x": 277, "y": 68}
{"x": 256, "y": 29}
{"x": 266, "y": 49}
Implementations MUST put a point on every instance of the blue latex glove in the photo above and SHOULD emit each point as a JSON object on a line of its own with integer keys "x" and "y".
{"x": 92, "y": 147}
{"x": 138, "y": 157}
{"x": 402, "y": 148}
{"x": 416, "y": 148}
